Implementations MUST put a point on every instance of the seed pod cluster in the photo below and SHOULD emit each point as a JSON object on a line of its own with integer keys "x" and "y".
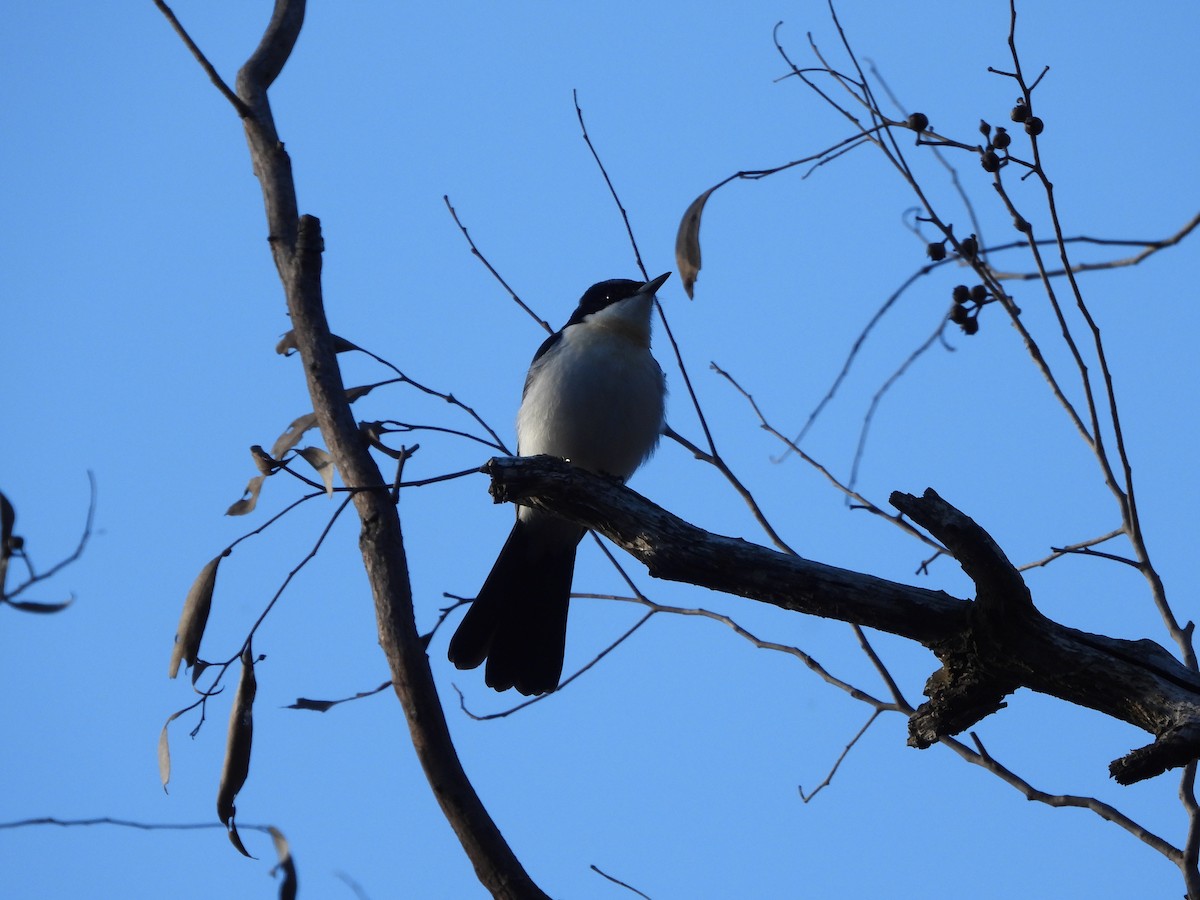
{"x": 968, "y": 301}
{"x": 999, "y": 140}
{"x": 1020, "y": 113}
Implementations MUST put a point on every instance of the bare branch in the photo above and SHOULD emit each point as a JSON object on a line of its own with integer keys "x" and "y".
{"x": 213, "y": 76}
{"x": 611, "y": 189}
{"x": 618, "y": 881}
{"x": 988, "y": 648}
{"x": 1149, "y": 248}
{"x": 838, "y": 762}
{"x": 297, "y": 245}
{"x": 1059, "y": 552}
{"x": 982, "y": 758}
{"x": 793, "y": 447}
{"x": 500, "y": 278}
{"x": 34, "y": 578}
{"x": 125, "y": 823}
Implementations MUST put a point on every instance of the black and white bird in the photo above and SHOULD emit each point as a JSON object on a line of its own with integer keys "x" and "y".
{"x": 594, "y": 396}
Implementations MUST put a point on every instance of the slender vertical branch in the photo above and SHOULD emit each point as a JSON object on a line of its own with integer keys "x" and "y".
{"x": 297, "y": 245}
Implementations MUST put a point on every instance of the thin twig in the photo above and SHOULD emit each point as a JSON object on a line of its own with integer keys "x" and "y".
{"x": 475, "y": 251}
{"x": 1059, "y": 552}
{"x": 608, "y": 181}
{"x": 982, "y": 758}
{"x": 838, "y": 762}
{"x": 80, "y": 546}
{"x": 126, "y": 823}
{"x": 851, "y": 494}
{"x": 242, "y": 110}
{"x": 662, "y": 316}
{"x": 628, "y": 887}
{"x": 882, "y": 392}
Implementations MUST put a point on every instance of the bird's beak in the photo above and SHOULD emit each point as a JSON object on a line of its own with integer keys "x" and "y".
{"x": 653, "y": 284}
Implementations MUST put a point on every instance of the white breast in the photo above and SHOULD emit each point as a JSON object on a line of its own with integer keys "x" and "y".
{"x": 595, "y": 398}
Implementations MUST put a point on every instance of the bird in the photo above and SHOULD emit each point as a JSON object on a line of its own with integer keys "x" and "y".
{"x": 594, "y": 396}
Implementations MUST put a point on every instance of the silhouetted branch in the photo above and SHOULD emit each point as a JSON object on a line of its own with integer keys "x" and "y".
{"x": 297, "y": 245}
{"x": 988, "y": 648}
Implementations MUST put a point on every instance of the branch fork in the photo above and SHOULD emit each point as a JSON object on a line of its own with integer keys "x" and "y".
{"x": 988, "y": 647}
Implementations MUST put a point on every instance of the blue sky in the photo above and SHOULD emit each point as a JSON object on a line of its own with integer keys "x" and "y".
{"x": 141, "y": 312}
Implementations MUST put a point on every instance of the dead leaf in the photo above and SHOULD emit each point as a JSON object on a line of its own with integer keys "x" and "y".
{"x": 290, "y": 886}
{"x": 262, "y": 461}
{"x": 326, "y": 705}
{"x": 249, "y": 497}
{"x": 292, "y": 434}
{"x": 237, "y": 748}
{"x": 164, "y": 750}
{"x": 194, "y": 617}
{"x": 357, "y": 393}
{"x": 322, "y": 462}
{"x": 687, "y": 242}
{"x": 33, "y": 607}
{"x": 287, "y": 344}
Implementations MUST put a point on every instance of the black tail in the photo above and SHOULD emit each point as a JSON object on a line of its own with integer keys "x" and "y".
{"x": 518, "y": 621}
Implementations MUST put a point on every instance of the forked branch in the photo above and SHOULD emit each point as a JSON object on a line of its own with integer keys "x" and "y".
{"x": 297, "y": 245}
{"x": 989, "y": 647}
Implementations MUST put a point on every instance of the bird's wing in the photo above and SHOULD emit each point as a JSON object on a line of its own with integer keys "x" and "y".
{"x": 537, "y": 357}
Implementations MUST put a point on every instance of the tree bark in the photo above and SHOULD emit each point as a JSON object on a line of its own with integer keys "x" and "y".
{"x": 297, "y": 245}
{"x": 988, "y": 646}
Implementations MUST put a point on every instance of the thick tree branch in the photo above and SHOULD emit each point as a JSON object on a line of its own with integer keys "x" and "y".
{"x": 297, "y": 245}
{"x": 989, "y": 647}
{"x": 674, "y": 550}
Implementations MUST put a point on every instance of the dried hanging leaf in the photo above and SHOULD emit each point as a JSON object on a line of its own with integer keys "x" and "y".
{"x": 314, "y": 705}
{"x": 237, "y": 748}
{"x": 287, "y": 344}
{"x": 32, "y": 607}
{"x": 194, "y": 617}
{"x": 687, "y": 242}
{"x": 357, "y": 393}
{"x": 289, "y": 887}
{"x": 269, "y": 463}
{"x": 292, "y": 434}
{"x": 198, "y": 669}
{"x": 326, "y": 705}
{"x": 164, "y": 750}
{"x": 322, "y": 462}
{"x": 249, "y": 497}
{"x": 236, "y": 840}
{"x": 265, "y": 464}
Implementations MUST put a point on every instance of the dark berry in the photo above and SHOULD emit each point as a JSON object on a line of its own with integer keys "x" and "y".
{"x": 990, "y": 161}
{"x": 984, "y": 128}
{"x": 936, "y": 250}
{"x": 979, "y": 293}
{"x": 1034, "y": 125}
{"x": 1002, "y": 139}
{"x": 918, "y": 121}
{"x": 968, "y": 247}
{"x": 959, "y": 315}
{"x": 1020, "y": 112}
{"x": 971, "y": 326}
{"x": 961, "y": 293}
